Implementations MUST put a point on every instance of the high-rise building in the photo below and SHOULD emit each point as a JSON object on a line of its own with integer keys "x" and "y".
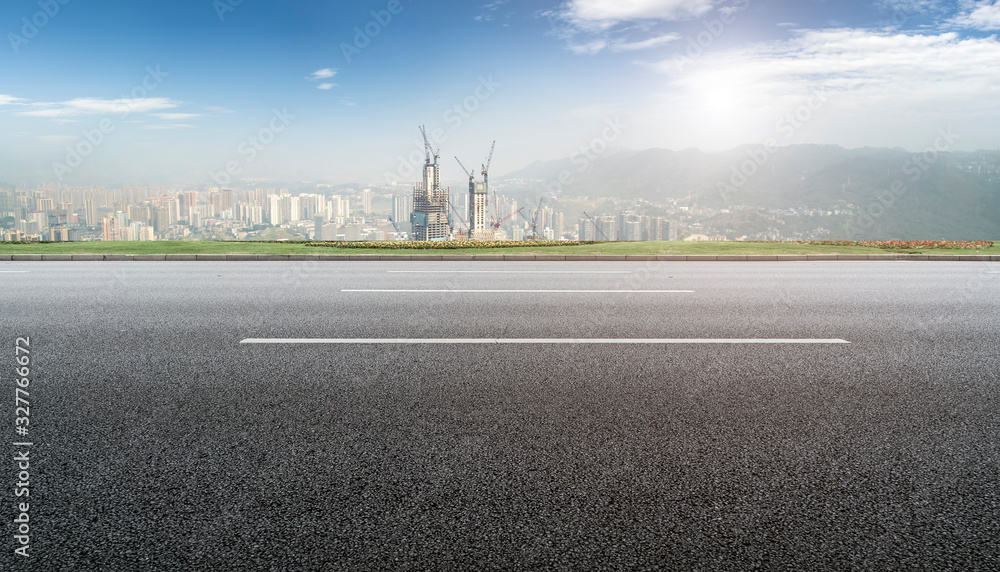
{"x": 587, "y": 230}
{"x": 668, "y": 229}
{"x": 335, "y": 209}
{"x": 366, "y": 201}
{"x": 623, "y": 227}
{"x": 90, "y": 211}
{"x": 189, "y": 199}
{"x": 557, "y": 225}
{"x": 478, "y": 202}
{"x": 111, "y": 229}
{"x": 313, "y": 205}
{"x": 8, "y": 202}
{"x": 632, "y": 231}
{"x": 294, "y": 208}
{"x": 402, "y": 206}
{"x": 274, "y": 210}
{"x": 606, "y": 228}
{"x": 161, "y": 221}
{"x": 139, "y": 213}
{"x": 431, "y": 202}
{"x": 250, "y": 213}
{"x": 221, "y": 201}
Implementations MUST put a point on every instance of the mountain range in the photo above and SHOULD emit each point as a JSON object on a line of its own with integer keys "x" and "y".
{"x": 887, "y": 193}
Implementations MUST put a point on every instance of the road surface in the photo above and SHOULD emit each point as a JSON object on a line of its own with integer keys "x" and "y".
{"x": 704, "y": 416}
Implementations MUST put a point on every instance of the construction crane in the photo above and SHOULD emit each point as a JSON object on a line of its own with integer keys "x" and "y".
{"x": 399, "y": 233}
{"x": 594, "y": 222}
{"x": 459, "y": 217}
{"x": 527, "y": 220}
{"x": 428, "y": 150}
{"x": 496, "y": 223}
{"x": 489, "y": 159}
{"x": 533, "y": 221}
{"x": 472, "y": 176}
{"x": 486, "y": 180}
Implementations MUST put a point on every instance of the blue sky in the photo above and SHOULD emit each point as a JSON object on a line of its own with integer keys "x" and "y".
{"x": 177, "y": 92}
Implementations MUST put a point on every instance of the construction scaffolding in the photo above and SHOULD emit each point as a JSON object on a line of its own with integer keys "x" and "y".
{"x": 431, "y": 202}
{"x": 430, "y": 213}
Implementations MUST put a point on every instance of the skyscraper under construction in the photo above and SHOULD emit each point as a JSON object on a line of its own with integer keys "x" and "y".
{"x": 479, "y": 229}
{"x": 430, "y": 202}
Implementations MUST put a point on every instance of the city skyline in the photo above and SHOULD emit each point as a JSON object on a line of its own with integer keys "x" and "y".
{"x": 202, "y": 92}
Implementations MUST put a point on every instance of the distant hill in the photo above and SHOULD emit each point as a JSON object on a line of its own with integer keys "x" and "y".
{"x": 951, "y": 195}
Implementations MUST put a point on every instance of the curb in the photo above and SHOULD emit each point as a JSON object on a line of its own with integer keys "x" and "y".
{"x": 498, "y": 257}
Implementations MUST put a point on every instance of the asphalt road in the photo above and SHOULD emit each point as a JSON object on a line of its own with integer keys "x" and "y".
{"x": 162, "y": 442}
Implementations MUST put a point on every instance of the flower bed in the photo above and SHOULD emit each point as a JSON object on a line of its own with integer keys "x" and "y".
{"x": 906, "y": 244}
{"x": 446, "y": 244}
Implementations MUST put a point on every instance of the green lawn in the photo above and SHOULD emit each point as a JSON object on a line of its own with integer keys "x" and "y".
{"x": 620, "y": 248}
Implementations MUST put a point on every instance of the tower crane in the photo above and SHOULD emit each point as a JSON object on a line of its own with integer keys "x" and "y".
{"x": 459, "y": 217}
{"x": 472, "y": 175}
{"x": 428, "y": 149}
{"x": 533, "y": 221}
{"x": 496, "y": 223}
{"x": 486, "y": 179}
{"x": 399, "y": 233}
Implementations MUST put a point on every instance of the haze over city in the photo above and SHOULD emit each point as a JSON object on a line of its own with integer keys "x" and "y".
{"x": 176, "y": 92}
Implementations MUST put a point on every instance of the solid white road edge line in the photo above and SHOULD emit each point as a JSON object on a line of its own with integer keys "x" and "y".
{"x": 539, "y": 341}
{"x": 528, "y": 291}
{"x": 509, "y": 272}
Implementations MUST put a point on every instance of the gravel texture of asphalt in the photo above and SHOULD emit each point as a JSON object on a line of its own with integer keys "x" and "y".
{"x": 161, "y": 442}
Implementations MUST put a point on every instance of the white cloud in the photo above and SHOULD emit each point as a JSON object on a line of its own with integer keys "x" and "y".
{"x": 57, "y": 139}
{"x": 168, "y": 126}
{"x": 176, "y": 116}
{"x": 979, "y": 16}
{"x": 911, "y": 6}
{"x": 91, "y": 106}
{"x": 858, "y": 64}
{"x": 877, "y": 88}
{"x": 325, "y": 86}
{"x": 9, "y": 99}
{"x": 604, "y": 14}
{"x": 588, "y": 48}
{"x": 644, "y": 44}
{"x": 488, "y": 10}
{"x": 324, "y": 73}
{"x": 591, "y": 26}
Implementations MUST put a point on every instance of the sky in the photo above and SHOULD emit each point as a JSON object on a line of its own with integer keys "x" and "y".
{"x": 209, "y": 92}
